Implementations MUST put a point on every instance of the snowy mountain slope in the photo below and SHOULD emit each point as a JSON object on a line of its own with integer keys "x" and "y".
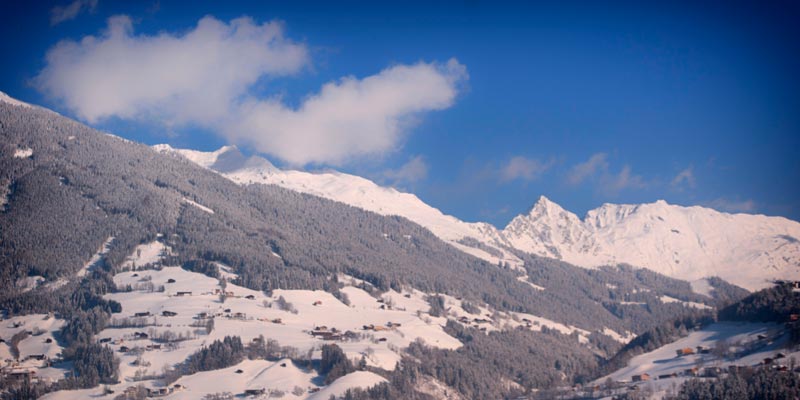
{"x": 8, "y": 99}
{"x": 714, "y": 350}
{"x": 683, "y": 242}
{"x": 247, "y": 314}
{"x": 663, "y": 360}
{"x": 687, "y": 243}
{"x": 355, "y": 191}
{"x": 82, "y": 187}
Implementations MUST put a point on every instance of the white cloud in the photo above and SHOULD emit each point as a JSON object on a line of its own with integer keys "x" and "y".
{"x": 59, "y": 14}
{"x": 607, "y": 182}
{"x": 203, "y": 77}
{"x": 684, "y": 177}
{"x": 415, "y": 170}
{"x": 733, "y": 206}
{"x": 349, "y": 118}
{"x": 194, "y": 77}
{"x": 612, "y": 184}
{"x": 527, "y": 169}
{"x": 579, "y": 173}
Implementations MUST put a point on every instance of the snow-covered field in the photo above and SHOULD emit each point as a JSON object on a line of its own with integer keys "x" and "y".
{"x": 188, "y": 297}
{"x": 283, "y": 376}
{"x": 339, "y": 387}
{"x": 749, "y": 344}
{"x": 39, "y": 340}
{"x": 692, "y": 304}
{"x": 173, "y": 301}
{"x": 148, "y": 253}
{"x": 23, "y": 152}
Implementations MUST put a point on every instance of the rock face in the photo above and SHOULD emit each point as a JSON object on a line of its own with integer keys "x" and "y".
{"x": 682, "y": 242}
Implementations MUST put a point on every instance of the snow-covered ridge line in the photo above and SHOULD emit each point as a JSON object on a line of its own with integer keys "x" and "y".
{"x": 10, "y": 100}
{"x": 352, "y": 190}
{"x": 689, "y": 243}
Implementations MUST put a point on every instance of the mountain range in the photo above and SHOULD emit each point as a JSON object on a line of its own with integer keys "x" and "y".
{"x": 688, "y": 243}
{"x": 139, "y": 270}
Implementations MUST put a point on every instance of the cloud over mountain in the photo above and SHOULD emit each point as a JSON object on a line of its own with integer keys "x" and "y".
{"x": 349, "y": 118}
{"x": 204, "y": 77}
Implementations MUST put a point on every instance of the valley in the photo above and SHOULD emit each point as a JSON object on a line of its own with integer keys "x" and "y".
{"x": 178, "y": 274}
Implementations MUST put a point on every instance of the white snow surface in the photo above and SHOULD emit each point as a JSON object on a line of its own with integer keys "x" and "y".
{"x": 43, "y": 326}
{"x": 702, "y": 286}
{"x": 664, "y": 360}
{"x": 692, "y": 304}
{"x": 360, "y": 379}
{"x": 44, "y": 329}
{"x": 143, "y": 254}
{"x": 249, "y": 314}
{"x": 23, "y": 152}
{"x": 688, "y": 243}
{"x": 627, "y": 337}
{"x": 256, "y": 374}
{"x": 198, "y": 205}
{"x": 260, "y": 315}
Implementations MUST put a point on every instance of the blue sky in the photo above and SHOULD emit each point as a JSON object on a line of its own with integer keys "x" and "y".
{"x": 477, "y": 107}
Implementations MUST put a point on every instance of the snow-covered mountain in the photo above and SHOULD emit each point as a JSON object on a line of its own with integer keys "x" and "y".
{"x": 689, "y": 243}
{"x": 684, "y": 242}
{"x": 355, "y": 191}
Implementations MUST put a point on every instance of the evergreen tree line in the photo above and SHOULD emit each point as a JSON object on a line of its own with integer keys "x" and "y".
{"x": 780, "y": 303}
{"x": 760, "y": 384}
{"x": 334, "y": 363}
{"x": 773, "y": 304}
{"x": 86, "y": 313}
{"x": 219, "y": 354}
{"x": 658, "y": 336}
{"x": 483, "y": 367}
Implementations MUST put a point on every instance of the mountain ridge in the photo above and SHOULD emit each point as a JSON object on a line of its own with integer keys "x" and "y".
{"x": 689, "y": 243}
{"x": 686, "y": 242}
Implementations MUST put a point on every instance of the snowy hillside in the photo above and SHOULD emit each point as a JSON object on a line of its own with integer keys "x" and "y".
{"x": 355, "y": 191}
{"x": 687, "y": 243}
{"x": 167, "y": 316}
{"x": 316, "y": 318}
{"x": 712, "y": 353}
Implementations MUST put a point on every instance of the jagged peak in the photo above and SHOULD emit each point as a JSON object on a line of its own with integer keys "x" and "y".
{"x": 543, "y": 204}
{"x": 226, "y": 159}
{"x": 163, "y": 148}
